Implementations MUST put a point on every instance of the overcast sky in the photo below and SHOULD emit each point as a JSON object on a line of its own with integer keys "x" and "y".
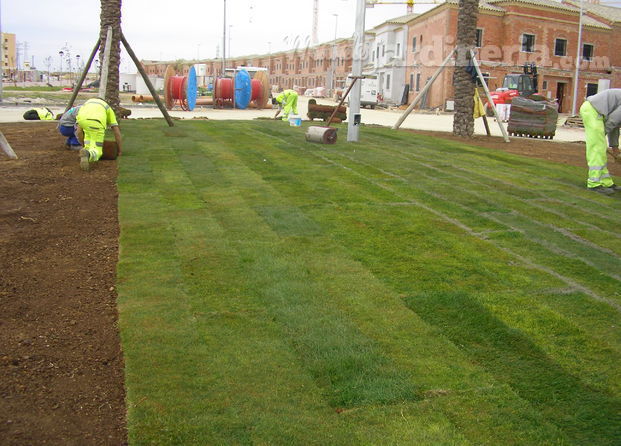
{"x": 181, "y": 29}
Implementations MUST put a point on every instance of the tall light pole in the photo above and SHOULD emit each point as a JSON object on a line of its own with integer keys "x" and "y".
{"x": 60, "y": 75}
{"x": 333, "y": 74}
{"x": 2, "y": 54}
{"x": 224, "y": 41}
{"x": 574, "y": 103}
{"x": 353, "y": 126}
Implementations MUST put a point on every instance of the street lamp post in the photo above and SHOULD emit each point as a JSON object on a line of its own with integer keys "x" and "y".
{"x": 60, "y": 75}
{"x": 574, "y": 103}
{"x": 333, "y": 70}
{"x": 353, "y": 121}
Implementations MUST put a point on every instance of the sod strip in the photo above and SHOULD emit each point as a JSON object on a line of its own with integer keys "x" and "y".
{"x": 510, "y": 179}
{"x": 596, "y": 398}
{"x": 614, "y": 286}
{"x": 532, "y": 172}
{"x": 336, "y": 276}
{"x": 490, "y": 185}
{"x": 180, "y": 224}
{"x": 197, "y": 369}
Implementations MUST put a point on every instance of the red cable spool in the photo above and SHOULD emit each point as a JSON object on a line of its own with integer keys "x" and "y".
{"x": 180, "y": 90}
{"x": 257, "y": 89}
{"x": 223, "y": 91}
{"x": 177, "y": 88}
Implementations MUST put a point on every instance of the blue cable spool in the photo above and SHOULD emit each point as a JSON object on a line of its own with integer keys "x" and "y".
{"x": 192, "y": 88}
{"x": 243, "y": 89}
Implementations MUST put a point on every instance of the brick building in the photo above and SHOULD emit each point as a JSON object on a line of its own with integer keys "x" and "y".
{"x": 409, "y": 49}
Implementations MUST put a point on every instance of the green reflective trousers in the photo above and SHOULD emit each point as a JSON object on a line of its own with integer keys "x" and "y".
{"x": 596, "y": 145}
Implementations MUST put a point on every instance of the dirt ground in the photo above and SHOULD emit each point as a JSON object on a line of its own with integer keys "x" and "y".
{"x": 60, "y": 357}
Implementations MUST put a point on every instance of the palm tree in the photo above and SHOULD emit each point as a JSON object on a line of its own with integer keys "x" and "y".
{"x": 464, "y": 84}
{"x": 111, "y": 16}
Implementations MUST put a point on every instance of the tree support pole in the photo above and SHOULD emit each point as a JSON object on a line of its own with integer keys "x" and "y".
{"x": 427, "y": 86}
{"x": 78, "y": 86}
{"x": 6, "y": 147}
{"x": 147, "y": 81}
{"x": 489, "y": 96}
{"x": 103, "y": 80}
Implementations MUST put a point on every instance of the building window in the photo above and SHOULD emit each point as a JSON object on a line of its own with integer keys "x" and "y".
{"x": 591, "y": 89}
{"x": 398, "y": 50}
{"x": 413, "y": 44}
{"x": 383, "y": 50}
{"x": 587, "y": 51}
{"x": 544, "y": 85}
{"x": 528, "y": 43}
{"x": 377, "y": 55}
{"x": 388, "y": 82}
{"x": 560, "y": 47}
{"x": 418, "y": 82}
{"x": 479, "y": 42}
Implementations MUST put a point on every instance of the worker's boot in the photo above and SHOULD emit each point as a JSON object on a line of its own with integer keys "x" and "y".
{"x": 85, "y": 157}
{"x": 604, "y": 190}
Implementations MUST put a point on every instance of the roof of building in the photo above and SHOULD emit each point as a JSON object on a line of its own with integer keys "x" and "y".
{"x": 611, "y": 13}
{"x": 402, "y": 19}
{"x": 549, "y": 3}
{"x": 483, "y": 4}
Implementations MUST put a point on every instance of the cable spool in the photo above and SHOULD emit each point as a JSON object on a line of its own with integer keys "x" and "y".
{"x": 260, "y": 89}
{"x": 180, "y": 90}
{"x": 243, "y": 89}
{"x": 223, "y": 92}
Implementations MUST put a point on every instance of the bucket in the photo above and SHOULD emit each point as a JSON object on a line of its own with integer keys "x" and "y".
{"x": 295, "y": 121}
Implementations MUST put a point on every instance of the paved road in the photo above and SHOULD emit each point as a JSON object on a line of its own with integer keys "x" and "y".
{"x": 421, "y": 121}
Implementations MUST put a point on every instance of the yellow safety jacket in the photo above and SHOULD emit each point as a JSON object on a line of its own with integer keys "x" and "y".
{"x": 45, "y": 114}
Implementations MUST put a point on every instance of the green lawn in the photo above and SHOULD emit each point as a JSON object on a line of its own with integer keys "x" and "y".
{"x": 404, "y": 290}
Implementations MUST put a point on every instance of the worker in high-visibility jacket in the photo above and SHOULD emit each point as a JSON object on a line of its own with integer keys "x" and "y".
{"x": 67, "y": 127}
{"x": 601, "y": 115}
{"x": 287, "y": 102}
{"x": 94, "y": 117}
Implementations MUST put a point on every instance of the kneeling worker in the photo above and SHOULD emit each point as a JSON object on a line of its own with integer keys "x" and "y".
{"x": 67, "y": 127}
{"x": 288, "y": 100}
{"x": 93, "y": 119}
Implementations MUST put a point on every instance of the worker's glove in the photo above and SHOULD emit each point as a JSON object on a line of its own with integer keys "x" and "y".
{"x": 616, "y": 153}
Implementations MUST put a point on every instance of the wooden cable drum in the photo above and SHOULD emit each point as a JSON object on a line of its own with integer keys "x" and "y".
{"x": 260, "y": 89}
{"x": 181, "y": 90}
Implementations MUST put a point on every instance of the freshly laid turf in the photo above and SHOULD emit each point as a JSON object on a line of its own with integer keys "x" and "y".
{"x": 402, "y": 290}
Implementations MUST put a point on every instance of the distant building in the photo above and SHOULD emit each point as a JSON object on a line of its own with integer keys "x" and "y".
{"x": 405, "y": 52}
{"x": 9, "y": 59}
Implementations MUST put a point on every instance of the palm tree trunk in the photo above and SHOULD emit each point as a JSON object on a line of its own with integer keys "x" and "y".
{"x": 111, "y": 16}
{"x": 463, "y": 122}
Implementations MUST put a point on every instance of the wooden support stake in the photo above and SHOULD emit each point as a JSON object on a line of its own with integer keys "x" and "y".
{"x": 147, "y": 81}
{"x": 87, "y": 67}
{"x": 423, "y": 91}
{"x": 6, "y": 147}
{"x": 489, "y": 97}
{"x": 103, "y": 81}
{"x": 342, "y": 100}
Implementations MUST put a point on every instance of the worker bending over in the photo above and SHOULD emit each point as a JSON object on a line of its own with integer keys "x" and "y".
{"x": 67, "y": 127}
{"x": 287, "y": 102}
{"x": 601, "y": 115}
{"x": 94, "y": 117}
